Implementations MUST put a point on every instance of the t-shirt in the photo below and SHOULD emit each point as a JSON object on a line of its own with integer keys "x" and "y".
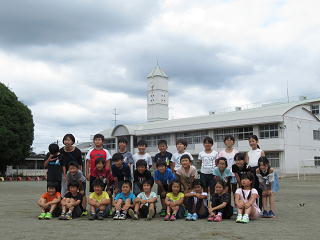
{"x": 49, "y": 198}
{"x": 205, "y": 201}
{"x": 103, "y": 196}
{"x": 77, "y": 177}
{"x": 254, "y": 156}
{"x": 121, "y": 195}
{"x": 165, "y": 178}
{"x": 74, "y": 156}
{"x": 163, "y": 157}
{"x": 229, "y": 156}
{"x": 104, "y": 175}
{"x": 127, "y": 157}
{"x": 77, "y": 197}
{"x": 265, "y": 179}
{"x": 217, "y": 199}
{"x": 187, "y": 174}
{"x": 139, "y": 178}
{"x": 175, "y": 198}
{"x": 54, "y": 173}
{"x": 123, "y": 173}
{"x": 94, "y": 154}
{"x": 176, "y": 159}
{"x": 243, "y": 170}
{"x": 145, "y": 157}
{"x": 225, "y": 176}
{"x": 143, "y": 196}
{"x": 246, "y": 194}
{"x": 207, "y": 161}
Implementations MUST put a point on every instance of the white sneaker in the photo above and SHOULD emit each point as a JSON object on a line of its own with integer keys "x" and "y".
{"x": 122, "y": 216}
{"x": 116, "y": 216}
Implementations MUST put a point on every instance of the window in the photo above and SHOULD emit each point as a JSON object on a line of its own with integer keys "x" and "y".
{"x": 317, "y": 161}
{"x": 153, "y": 140}
{"x": 269, "y": 131}
{"x": 193, "y": 137}
{"x": 241, "y": 133}
{"x": 110, "y": 143}
{"x": 316, "y": 135}
{"x": 315, "y": 109}
{"x": 274, "y": 159}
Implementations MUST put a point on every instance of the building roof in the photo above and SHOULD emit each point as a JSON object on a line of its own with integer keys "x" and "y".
{"x": 157, "y": 71}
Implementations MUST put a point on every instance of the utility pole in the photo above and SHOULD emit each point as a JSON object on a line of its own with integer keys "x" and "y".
{"x": 115, "y": 114}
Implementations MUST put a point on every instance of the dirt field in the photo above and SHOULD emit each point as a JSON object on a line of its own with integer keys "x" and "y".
{"x": 18, "y": 219}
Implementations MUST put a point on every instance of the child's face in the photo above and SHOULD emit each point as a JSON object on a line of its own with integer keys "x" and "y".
{"x": 262, "y": 167}
{"x": 222, "y": 165}
{"x": 180, "y": 147}
{"x": 146, "y": 187}
{"x": 218, "y": 188}
{"x": 240, "y": 163}
{"x": 245, "y": 182}
{"x": 51, "y": 190}
{"x": 142, "y": 148}
{"x": 162, "y": 147}
{"x": 229, "y": 143}
{"x": 122, "y": 146}
{"x": 175, "y": 188}
{"x": 253, "y": 143}
{"x": 73, "y": 169}
{"x": 185, "y": 162}
{"x": 68, "y": 142}
{"x": 98, "y": 142}
{"x": 118, "y": 163}
{"x": 141, "y": 169}
{"x": 162, "y": 169}
{"x": 99, "y": 166}
{"x": 197, "y": 188}
{"x": 125, "y": 188}
{"x": 97, "y": 189}
{"x": 207, "y": 146}
{"x": 73, "y": 189}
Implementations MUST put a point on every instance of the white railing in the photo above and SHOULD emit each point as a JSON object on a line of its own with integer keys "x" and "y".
{"x": 27, "y": 172}
{"x": 307, "y": 164}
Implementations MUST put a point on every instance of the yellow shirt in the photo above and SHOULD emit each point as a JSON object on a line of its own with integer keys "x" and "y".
{"x": 175, "y": 198}
{"x": 104, "y": 195}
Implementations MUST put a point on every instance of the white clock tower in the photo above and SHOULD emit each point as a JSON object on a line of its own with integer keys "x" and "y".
{"x": 157, "y": 95}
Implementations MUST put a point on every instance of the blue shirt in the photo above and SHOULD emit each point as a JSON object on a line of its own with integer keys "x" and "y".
{"x": 121, "y": 195}
{"x": 225, "y": 176}
{"x": 165, "y": 178}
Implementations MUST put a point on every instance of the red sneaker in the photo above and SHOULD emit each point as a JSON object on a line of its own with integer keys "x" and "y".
{"x": 218, "y": 218}
{"x": 167, "y": 217}
{"x": 173, "y": 218}
{"x": 210, "y": 219}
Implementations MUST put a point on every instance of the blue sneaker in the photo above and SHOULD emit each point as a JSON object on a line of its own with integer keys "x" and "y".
{"x": 189, "y": 217}
{"x": 265, "y": 214}
{"x": 194, "y": 217}
{"x": 271, "y": 214}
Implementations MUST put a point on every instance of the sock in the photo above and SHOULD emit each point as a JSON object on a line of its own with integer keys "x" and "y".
{"x": 117, "y": 212}
{"x": 220, "y": 214}
{"x": 70, "y": 211}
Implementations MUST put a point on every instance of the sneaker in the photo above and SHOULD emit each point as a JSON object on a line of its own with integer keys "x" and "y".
{"x": 84, "y": 213}
{"x": 41, "y": 216}
{"x": 245, "y": 218}
{"x": 265, "y": 214}
{"x": 92, "y": 216}
{"x": 110, "y": 212}
{"x": 210, "y": 219}
{"x": 68, "y": 216}
{"x": 239, "y": 218}
{"x": 173, "y": 218}
{"x": 132, "y": 214}
{"x": 48, "y": 216}
{"x": 100, "y": 216}
{"x": 194, "y": 217}
{"x": 116, "y": 215}
{"x": 167, "y": 217}
{"x": 163, "y": 213}
{"x": 150, "y": 214}
{"x": 62, "y": 216}
{"x": 123, "y": 216}
{"x": 271, "y": 214}
{"x": 189, "y": 217}
{"x": 218, "y": 218}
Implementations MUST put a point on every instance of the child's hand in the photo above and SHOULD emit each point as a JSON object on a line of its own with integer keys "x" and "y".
{"x": 247, "y": 205}
{"x": 240, "y": 205}
{"x": 143, "y": 202}
{"x": 88, "y": 177}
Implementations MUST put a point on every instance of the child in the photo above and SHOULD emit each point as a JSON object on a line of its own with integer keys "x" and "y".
{"x": 186, "y": 173}
{"x": 75, "y": 175}
{"x": 144, "y": 204}
{"x": 220, "y": 207}
{"x": 163, "y": 155}
{"x": 142, "y": 146}
{"x": 101, "y": 172}
{"x": 196, "y": 202}
{"x": 240, "y": 167}
{"x": 127, "y": 156}
{"x": 97, "y": 152}
{"x": 266, "y": 178}
{"x": 174, "y": 202}
{"x": 181, "y": 146}
{"x": 71, "y": 202}
{"x": 207, "y": 158}
{"x": 255, "y": 153}
{"x": 49, "y": 202}
{"x": 229, "y": 152}
{"x": 120, "y": 171}
{"x": 245, "y": 200}
{"x": 123, "y": 201}
{"x": 99, "y": 201}
{"x": 163, "y": 177}
{"x": 223, "y": 173}
{"x": 54, "y": 166}
{"x": 140, "y": 175}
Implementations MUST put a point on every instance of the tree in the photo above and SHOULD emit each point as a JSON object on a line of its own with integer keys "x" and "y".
{"x": 16, "y": 129}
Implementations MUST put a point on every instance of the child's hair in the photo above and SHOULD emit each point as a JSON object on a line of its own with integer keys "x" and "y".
{"x": 255, "y": 138}
{"x": 184, "y": 156}
{"x": 70, "y": 136}
{"x": 73, "y": 184}
{"x": 122, "y": 140}
{"x": 182, "y": 141}
{"x": 127, "y": 182}
{"x": 98, "y": 135}
{"x": 229, "y": 137}
{"x": 75, "y": 164}
{"x": 197, "y": 182}
{"x": 161, "y": 163}
{"x": 142, "y": 143}
{"x": 239, "y": 156}
{"x": 148, "y": 182}
{"x": 164, "y": 142}
{"x": 53, "y": 148}
{"x": 116, "y": 157}
{"x": 141, "y": 163}
{"x": 98, "y": 183}
{"x": 248, "y": 175}
{"x": 52, "y": 185}
{"x": 173, "y": 182}
{"x": 264, "y": 161}
{"x": 222, "y": 159}
{"x": 100, "y": 159}
{"x": 222, "y": 183}
{"x": 208, "y": 140}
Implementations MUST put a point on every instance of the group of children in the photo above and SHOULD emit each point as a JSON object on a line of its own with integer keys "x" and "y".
{"x": 121, "y": 185}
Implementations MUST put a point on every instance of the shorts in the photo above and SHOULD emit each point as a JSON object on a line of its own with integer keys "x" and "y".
{"x": 207, "y": 180}
{"x": 144, "y": 211}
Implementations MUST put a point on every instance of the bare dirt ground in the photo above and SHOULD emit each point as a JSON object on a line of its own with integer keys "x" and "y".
{"x": 18, "y": 219}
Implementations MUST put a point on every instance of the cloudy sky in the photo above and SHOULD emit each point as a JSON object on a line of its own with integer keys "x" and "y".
{"x": 72, "y": 62}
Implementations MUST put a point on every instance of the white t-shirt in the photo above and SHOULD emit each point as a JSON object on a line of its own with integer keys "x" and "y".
{"x": 254, "y": 156}
{"x": 207, "y": 161}
{"x": 229, "y": 156}
{"x": 246, "y": 195}
{"x": 145, "y": 157}
{"x": 205, "y": 200}
{"x": 143, "y": 196}
{"x": 176, "y": 159}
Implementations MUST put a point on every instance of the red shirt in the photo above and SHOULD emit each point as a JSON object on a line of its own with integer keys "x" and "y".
{"x": 105, "y": 173}
{"x": 93, "y": 154}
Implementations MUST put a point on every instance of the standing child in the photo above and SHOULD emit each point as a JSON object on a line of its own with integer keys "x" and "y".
{"x": 144, "y": 204}
{"x": 220, "y": 206}
{"x": 245, "y": 200}
{"x": 71, "y": 202}
{"x": 140, "y": 175}
{"x": 163, "y": 155}
{"x": 196, "y": 202}
{"x": 163, "y": 178}
{"x": 223, "y": 173}
{"x": 120, "y": 171}
{"x": 49, "y": 202}
{"x": 207, "y": 158}
{"x": 99, "y": 201}
{"x": 142, "y": 154}
{"x": 123, "y": 201}
{"x": 265, "y": 175}
{"x": 181, "y": 145}
{"x": 174, "y": 202}
{"x": 127, "y": 156}
{"x": 186, "y": 173}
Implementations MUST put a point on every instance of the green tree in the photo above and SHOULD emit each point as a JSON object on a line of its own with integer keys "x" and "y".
{"x": 16, "y": 129}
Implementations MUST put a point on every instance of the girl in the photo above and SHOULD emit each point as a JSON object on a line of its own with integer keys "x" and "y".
{"x": 245, "y": 200}
{"x": 229, "y": 152}
{"x": 174, "y": 202}
{"x": 220, "y": 206}
{"x": 265, "y": 175}
{"x": 239, "y": 168}
{"x": 223, "y": 173}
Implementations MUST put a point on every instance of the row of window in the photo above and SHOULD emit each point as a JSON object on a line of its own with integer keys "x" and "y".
{"x": 316, "y": 134}
{"x": 315, "y": 109}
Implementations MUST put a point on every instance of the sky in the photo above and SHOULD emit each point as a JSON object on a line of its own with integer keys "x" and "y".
{"x": 72, "y": 62}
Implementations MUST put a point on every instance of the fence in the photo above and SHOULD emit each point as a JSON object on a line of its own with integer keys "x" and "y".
{"x": 27, "y": 172}
{"x": 304, "y": 165}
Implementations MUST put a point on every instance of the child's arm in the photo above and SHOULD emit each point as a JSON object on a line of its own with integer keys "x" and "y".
{"x": 64, "y": 170}
{"x": 105, "y": 202}
{"x": 76, "y": 203}
{"x": 200, "y": 196}
{"x": 152, "y": 200}
{"x": 238, "y": 178}
{"x": 55, "y": 200}
{"x": 167, "y": 201}
{"x": 237, "y": 201}
{"x": 221, "y": 206}
{"x": 189, "y": 194}
{"x": 88, "y": 169}
{"x": 251, "y": 200}
{"x": 179, "y": 202}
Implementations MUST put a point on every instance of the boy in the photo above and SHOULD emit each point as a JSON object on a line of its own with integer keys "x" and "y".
{"x": 140, "y": 175}
{"x": 186, "y": 173}
{"x": 94, "y": 153}
{"x": 54, "y": 165}
{"x": 99, "y": 201}
{"x": 71, "y": 202}
{"x": 144, "y": 204}
{"x": 207, "y": 158}
{"x": 181, "y": 145}
{"x": 123, "y": 201}
{"x": 127, "y": 156}
{"x": 49, "y": 202}
{"x": 163, "y": 155}
{"x": 142, "y": 146}
{"x": 120, "y": 171}
{"x": 163, "y": 176}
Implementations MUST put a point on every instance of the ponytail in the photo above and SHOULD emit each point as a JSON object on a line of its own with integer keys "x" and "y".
{"x": 258, "y": 146}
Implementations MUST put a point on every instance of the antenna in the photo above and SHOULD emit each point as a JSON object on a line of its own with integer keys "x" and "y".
{"x": 115, "y": 114}
{"x": 288, "y": 90}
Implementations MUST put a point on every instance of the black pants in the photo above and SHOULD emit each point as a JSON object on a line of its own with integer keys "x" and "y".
{"x": 198, "y": 208}
{"x": 227, "y": 212}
